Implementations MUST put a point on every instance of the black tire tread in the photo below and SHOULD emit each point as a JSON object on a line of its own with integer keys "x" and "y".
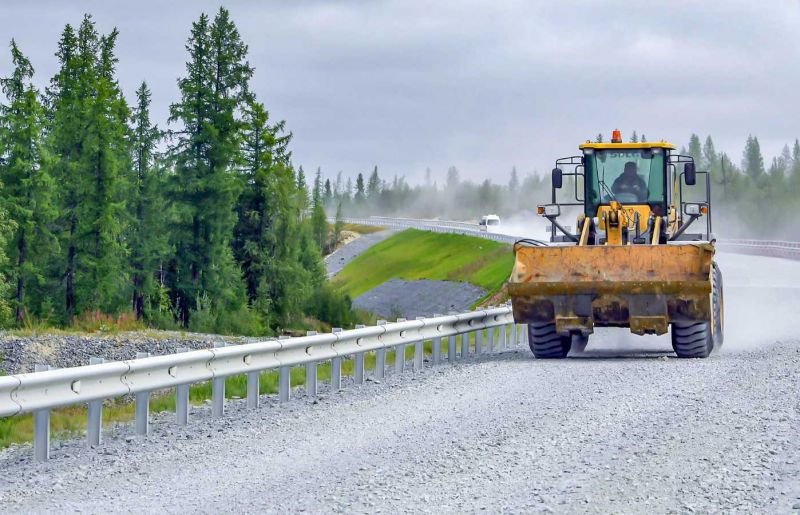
{"x": 545, "y": 343}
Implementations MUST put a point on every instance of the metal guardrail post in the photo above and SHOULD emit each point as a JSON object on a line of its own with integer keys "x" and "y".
{"x": 514, "y": 341}
{"x": 94, "y": 415}
{"x": 218, "y": 390}
{"x": 479, "y": 342}
{"x": 41, "y": 427}
{"x": 182, "y": 399}
{"x": 284, "y": 379}
{"x": 253, "y": 389}
{"x": 503, "y": 337}
{"x": 451, "y": 349}
{"x": 142, "y": 407}
{"x": 490, "y": 332}
{"x": 400, "y": 354}
{"x": 360, "y": 357}
{"x": 336, "y": 367}
{"x": 380, "y": 358}
{"x": 419, "y": 352}
{"x": 436, "y": 346}
{"x": 464, "y": 345}
{"x": 311, "y": 373}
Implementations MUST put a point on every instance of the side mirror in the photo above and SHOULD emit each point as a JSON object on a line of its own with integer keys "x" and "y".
{"x": 691, "y": 175}
{"x": 558, "y": 178}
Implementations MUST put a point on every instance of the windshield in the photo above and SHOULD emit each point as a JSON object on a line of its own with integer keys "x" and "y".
{"x": 629, "y": 176}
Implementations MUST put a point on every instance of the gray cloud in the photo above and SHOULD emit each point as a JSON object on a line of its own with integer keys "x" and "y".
{"x": 480, "y": 84}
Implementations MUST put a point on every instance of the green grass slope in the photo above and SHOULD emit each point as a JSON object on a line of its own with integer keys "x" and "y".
{"x": 414, "y": 254}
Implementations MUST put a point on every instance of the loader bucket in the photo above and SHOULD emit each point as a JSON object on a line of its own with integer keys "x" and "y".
{"x": 644, "y": 287}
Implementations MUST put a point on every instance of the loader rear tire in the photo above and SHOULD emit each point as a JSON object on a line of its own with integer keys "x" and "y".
{"x": 692, "y": 339}
{"x": 546, "y": 343}
{"x": 718, "y": 305}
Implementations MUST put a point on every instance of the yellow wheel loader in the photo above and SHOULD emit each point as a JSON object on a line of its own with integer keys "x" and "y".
{"x": 641, "y": 255}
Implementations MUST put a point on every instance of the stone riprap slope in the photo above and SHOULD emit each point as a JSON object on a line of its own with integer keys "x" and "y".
{"x": 19, "y": 354}
{"x": 410, "y": 299}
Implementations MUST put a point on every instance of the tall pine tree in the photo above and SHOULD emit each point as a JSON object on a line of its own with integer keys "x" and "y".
{"x": 147, "y": 206}
{"x": 27, "y": 187}
{"x": 88, "y": 137}
{"x": 213, "y": 91}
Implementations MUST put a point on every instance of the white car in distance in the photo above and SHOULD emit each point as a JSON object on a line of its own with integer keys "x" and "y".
{"x": 489, "y": 222}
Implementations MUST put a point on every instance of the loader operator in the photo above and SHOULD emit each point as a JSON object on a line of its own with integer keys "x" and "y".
{"x": 629, "y": 187}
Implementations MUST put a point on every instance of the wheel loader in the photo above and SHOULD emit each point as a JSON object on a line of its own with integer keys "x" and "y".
{"x": 641, "y": 255}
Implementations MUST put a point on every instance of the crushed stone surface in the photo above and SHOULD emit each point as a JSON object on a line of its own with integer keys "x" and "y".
{"x": 19, "y": 354}
{"x": 410, "y": 299}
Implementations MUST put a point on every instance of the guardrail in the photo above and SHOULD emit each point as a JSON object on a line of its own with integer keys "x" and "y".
{"x": 441, "y": 226}
{"x": 781, "y": 249}
{"x": 768, "y": 248}
{"x": 47, "y": 389}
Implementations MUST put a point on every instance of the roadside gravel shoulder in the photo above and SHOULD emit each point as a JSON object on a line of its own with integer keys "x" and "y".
{"x": 599, "y": 433}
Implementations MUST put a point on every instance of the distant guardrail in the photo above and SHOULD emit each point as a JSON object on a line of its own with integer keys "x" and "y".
{"x": 767, "y": 248}
{"x": 46, "y": 389}
{"x": 441, "y": 226}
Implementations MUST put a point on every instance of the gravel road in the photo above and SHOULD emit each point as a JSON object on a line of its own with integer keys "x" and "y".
{"x": 336, "y": 261}
{"x": 611, "y": 430}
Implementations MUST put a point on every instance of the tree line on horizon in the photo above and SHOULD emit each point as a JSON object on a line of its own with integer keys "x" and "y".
{"x": 205, "y": 226}
{"x": 749, "y": 198}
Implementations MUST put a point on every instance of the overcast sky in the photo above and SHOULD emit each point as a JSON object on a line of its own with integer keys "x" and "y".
{"x": 482, "y": 85}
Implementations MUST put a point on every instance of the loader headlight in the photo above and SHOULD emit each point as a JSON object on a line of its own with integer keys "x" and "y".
{"x": 695, "y": 209}
{"x": 549, "y": 210}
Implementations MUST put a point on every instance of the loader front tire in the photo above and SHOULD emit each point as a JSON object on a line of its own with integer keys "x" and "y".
{"x": 692, "y": 339}
{"x": 546, "y": 343}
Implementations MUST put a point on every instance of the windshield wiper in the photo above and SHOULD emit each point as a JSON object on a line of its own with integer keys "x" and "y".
{"x": 605, "y": 187}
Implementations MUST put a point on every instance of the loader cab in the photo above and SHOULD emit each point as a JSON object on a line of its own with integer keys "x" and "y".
{"x": 631, "y": 176}
{"x": 621, "y": 189}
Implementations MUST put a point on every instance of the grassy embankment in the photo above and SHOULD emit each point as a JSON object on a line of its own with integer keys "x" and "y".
{"x": 409, "y": 255}
{"x": 414, "y": 254}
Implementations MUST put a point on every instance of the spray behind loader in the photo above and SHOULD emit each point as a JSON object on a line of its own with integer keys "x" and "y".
{"x": 633, "y": 261}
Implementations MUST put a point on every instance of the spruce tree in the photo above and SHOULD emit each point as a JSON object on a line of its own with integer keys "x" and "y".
{"x": 319, "y": 222}
{"x": 696, "y": 151}
{"x": 373, "y": 186}
{"x": 753, "y": 161}
{"x": 147, "y": 205}
{"x": 709, "y": 153}
{"x": 360, "y": 194}
{"x": 266, "y": 243}
{"x": 213, "y": 91}
{"x": 327, "y": 196}
{"x": 27, "y": 186}
{"x": 513, "y": 182}
{"x": 88, "y": 138}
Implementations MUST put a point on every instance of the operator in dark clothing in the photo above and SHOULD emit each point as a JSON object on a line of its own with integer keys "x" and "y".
{"x": 629, "y": 183}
